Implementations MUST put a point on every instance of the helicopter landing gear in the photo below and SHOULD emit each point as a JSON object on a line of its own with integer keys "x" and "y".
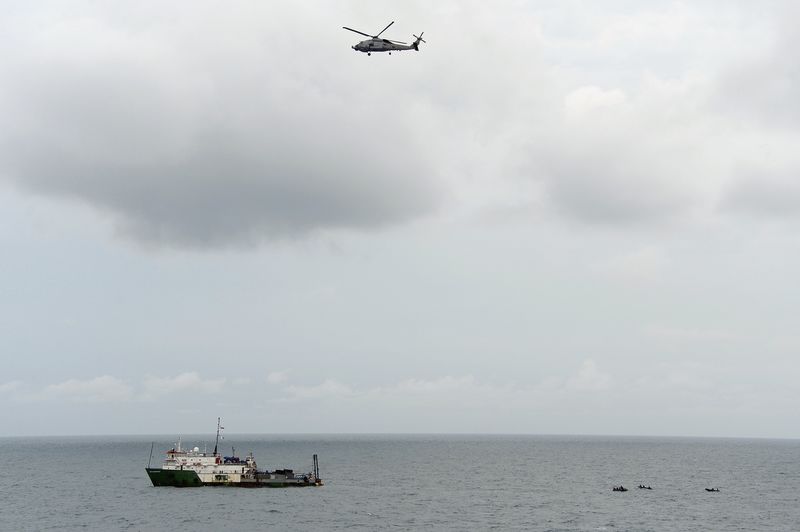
{"x": 390, "y": 53}
{"x": 369, "y": 53}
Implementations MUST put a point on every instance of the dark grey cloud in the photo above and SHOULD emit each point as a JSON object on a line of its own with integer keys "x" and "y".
{"x": 189, "y": 148}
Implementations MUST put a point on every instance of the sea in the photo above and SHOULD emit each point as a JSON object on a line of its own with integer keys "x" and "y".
{"x": 412, "y": 482}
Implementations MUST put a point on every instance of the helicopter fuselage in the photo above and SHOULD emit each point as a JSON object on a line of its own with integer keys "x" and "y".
{"x": 380, "y": 45}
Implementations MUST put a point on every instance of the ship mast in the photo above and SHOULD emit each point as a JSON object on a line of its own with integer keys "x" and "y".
{"x": 217, "y": 441}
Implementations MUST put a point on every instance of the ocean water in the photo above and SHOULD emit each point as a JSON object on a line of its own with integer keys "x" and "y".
{"x": 413, "y": 483}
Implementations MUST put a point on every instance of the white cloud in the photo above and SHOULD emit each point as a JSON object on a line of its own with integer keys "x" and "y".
{"x": 679, "y": 378}
{"x": 185, "y": 382}
{"x": 582, "y": 101}
{"x": 10, "y": 386}
{"x": 589, "y": 378}
{"x": 97, "y": 390}
{"x": 454, "y": 403}
{"x": 277, "y": 377}
{"x": 107, "y": 388}
{"x": 464, "y": 390}
{"x": 621, "y": 157}
{"x": 422, "y": 387}
{"x": 330, "y": 388}
{"x": 646, "y": 263}
{"x": 693, "y": 334}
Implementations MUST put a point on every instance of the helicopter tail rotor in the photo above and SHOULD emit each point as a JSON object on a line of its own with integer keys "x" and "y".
{"x": 419, "y": 39}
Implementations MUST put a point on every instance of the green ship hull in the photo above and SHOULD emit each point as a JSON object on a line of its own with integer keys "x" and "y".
{"x": 174, "y": 477}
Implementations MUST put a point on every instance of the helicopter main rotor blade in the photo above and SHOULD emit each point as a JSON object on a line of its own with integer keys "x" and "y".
{"x": 356, "y": 31}
{"x": 384, "y": 29}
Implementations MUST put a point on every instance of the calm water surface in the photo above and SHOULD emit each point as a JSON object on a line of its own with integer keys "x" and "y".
{"x": 413, "y": 483}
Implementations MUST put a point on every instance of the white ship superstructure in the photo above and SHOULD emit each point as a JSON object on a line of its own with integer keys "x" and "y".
{"x": 210, "y": 467}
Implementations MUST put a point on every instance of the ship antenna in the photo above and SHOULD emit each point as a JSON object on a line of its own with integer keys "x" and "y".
{"x": 217, "y": 441}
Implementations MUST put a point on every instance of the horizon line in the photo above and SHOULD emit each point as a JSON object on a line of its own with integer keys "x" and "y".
{"x": 529, "y": 434}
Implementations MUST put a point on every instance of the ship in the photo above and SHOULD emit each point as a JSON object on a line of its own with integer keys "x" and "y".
{"x": 194, "y": 468}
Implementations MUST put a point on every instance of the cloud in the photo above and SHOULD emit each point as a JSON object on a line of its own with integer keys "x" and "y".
{"x": 107, "y": 388}
{"x": 681, "y": 378}
{"x": 588, "y": 401}
{"x": 277, "y": 377}
{"x": 464, "y": 390}
{"x": 758, "y": 96}
{"x": 10, "y": 386}
{"x": 693, "y": 334}
{"x": 187, "y": 142}
{"x": 97, "y": 390}
{"x": 616, "y": 158}
{"x": 589, "y": 378}
{"x": 767, "y": 192}
{"x": 183, "y": 140}
{"x": 586, "y": 100}
{"x": 444, "y": 384}
{"x": 762, "y": 86}
{"x": 453, "y": 403}
{"x": 154, "y": 387}
{"x": 330, "y": 388}
{"x": 660, "y": 137}
{"x": 643, "y": 264}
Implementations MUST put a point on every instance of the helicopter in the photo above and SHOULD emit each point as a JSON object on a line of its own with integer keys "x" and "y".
{"x": 376, "y": 44}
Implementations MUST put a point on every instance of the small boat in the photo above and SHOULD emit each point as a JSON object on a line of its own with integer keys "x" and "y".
{"x": 643, "y": 487}
{"x": 619, "y": 488}
{"x": 712, "y": 490}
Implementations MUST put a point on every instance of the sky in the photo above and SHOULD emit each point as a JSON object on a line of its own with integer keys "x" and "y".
{"x": 557, "y": 217}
